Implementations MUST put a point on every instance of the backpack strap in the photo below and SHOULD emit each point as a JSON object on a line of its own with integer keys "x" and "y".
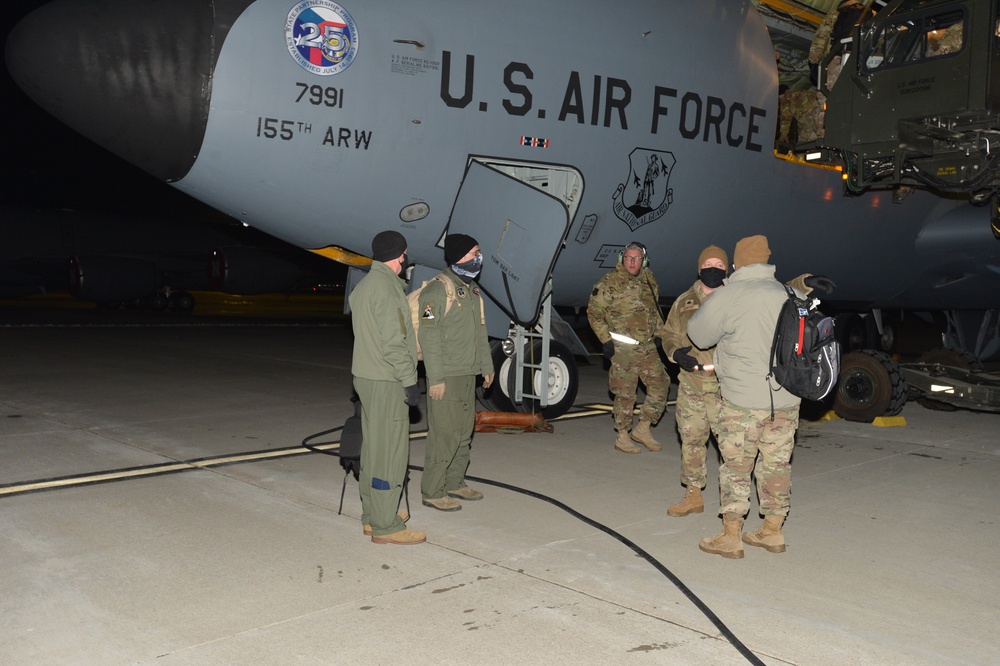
{"x": 777, "y": 329}
{"x": 449, "y": 291}
{"x": 774, "y": 346}
{"x": 451, "y": 296}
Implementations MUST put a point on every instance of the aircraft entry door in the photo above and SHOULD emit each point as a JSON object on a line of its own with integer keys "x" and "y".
{"x": 520, "y": 230}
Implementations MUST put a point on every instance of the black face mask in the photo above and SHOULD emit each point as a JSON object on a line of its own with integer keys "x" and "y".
{"x": 712, "y": 277}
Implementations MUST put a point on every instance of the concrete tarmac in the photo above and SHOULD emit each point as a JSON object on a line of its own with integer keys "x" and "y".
{"x": 156, "y": 507}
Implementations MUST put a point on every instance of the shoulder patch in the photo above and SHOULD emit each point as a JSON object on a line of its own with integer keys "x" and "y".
{"x": 428, "y": 312}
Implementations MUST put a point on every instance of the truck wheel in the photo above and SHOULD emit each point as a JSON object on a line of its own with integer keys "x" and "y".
{"x": 870, "y": 385}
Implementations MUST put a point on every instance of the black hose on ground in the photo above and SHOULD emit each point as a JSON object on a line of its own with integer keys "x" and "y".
{"x": 678, "y": 583}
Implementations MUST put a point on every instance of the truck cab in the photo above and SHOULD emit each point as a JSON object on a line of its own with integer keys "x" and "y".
{"x": 917, "y": 102}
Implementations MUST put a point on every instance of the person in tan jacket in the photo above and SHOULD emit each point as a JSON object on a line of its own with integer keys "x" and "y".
{"x": 757, "y": 421}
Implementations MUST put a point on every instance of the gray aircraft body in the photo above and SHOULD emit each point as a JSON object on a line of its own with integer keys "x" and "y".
{"x": 325, "y": 122}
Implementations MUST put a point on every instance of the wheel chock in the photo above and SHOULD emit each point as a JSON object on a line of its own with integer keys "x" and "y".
{"x": 511, "y": 422}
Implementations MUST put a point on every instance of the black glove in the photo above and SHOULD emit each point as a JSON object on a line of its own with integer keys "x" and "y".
{"x": 685, "y": 360}
{"x": 609, "y": 349}
{"x": 412, "y": 395}
{"x": 658, "y": 341}
{"x": 821, "y": 283}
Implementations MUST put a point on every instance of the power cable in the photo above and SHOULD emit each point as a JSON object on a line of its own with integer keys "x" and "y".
{"x": 678, "y": 583}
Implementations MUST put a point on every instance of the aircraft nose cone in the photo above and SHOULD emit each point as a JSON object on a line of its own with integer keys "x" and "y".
{"x": 134, "y": 76}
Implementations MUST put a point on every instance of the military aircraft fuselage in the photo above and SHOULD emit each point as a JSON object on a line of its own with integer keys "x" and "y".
{"x": 323, "y": 123}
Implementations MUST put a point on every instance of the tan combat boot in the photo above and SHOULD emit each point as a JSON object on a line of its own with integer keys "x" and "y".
{"x": 466, "y": 493}
{"x": 768, "y": 535}
{"x": 405, "y": 537}
{"x": 727, "y": 543}
{"x": 442, "y": 503}
{"x": 642, "y": 435}
{"x": 624, "y": 443}
{"x": 692, "y": 503}
{"x": 402, "y": 513}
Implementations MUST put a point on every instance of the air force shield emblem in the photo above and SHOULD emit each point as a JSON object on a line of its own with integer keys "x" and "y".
{"x": 646, "y": 194}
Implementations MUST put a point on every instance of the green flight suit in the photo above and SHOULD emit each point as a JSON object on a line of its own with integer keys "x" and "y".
{"x": 455, "y": 349}
{"x": 384, "y": 361}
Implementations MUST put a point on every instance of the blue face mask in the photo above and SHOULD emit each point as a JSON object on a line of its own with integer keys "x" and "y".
{"x": 470, "y": 268}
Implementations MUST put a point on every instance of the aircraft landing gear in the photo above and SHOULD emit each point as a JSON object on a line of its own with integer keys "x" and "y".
{"x": 181, "y": 301}
{"x": 495, "y": 398}
{"x": 164, "y": 300}
{"x": 563, "y": 381}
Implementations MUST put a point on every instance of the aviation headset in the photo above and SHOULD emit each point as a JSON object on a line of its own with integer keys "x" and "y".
{"x": 637, "y": 245}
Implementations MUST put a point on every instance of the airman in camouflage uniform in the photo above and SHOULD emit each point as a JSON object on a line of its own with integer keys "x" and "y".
{"x": 949, "y": 42}
{"x": 805, "y": 107}
{"x": 698, "y": 396}
{"x": 820, "y": 45}
{"x": 626, "y": 302}
{"x": 836, "y": 25}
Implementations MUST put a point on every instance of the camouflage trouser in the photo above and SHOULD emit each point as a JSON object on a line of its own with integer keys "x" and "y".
{"x": 628, "y": 366}
{"x": 697, "y": 414}
{"x": 805, "y": 107}
{"x": 742, "y": 434}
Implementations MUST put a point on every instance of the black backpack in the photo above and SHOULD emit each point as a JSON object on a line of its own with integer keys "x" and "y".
{"x": 805, "y": 356}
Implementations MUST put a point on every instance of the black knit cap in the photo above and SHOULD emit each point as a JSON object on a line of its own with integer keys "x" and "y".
{"x": 387, "y": 245}
{"x": 457, "y": 246}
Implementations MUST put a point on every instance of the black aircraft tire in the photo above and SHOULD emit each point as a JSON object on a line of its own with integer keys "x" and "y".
{"x": 855, "y": 332}
{"x": 494, "y": 398}
{"x": 885, "y": 342}
{"x": 181, "y": 301}
{"x": 870, "y": 385}
{"x": 564, "y": 381}
{"x": 158, "y": 303}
